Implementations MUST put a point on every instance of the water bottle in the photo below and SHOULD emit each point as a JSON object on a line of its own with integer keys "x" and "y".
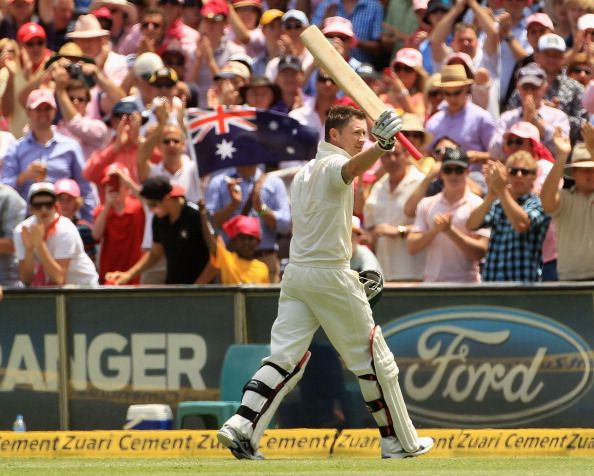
{"x": 19, "y": 424}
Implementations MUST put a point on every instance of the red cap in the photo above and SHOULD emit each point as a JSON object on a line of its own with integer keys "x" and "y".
{"x": 113, "y": 169}
{"x": 177, "y": 191}
{"x": 30, "y": 30}
{"x": 102, "y": 12}
{"x": 215, "y": 9}
{"x": 240, "y": 224}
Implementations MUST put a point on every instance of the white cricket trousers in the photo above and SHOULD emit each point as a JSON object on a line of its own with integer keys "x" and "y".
{"x": 331, "y": 297}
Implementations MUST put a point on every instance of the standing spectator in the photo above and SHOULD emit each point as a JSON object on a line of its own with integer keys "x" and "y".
{"x": 290, "y": 80}
{"x": 146, "y": 36}
{"x": 468, "y": 124}
{"x": 579, "y": 67}
{"x": 365, "y": 15}
{"x": 73, "y": 96}
{"x": 57, "y": 18}
{"x": 12, "y": 211}
{"x": 119, "y": 223}
{"x": 260, "y": 93}
{"x": 407, "y": 81}
{"x": 244, "y": 17}
{"x": 572, "y": 209}
{"x": 177, "y": 236}
{"x": 16, "y": 14}
{"x": 270, "y": 23}
{"x": 453, "y": 251}
{"x": 532, "y": 86}
{"x": 33, "y": 41}
{"x": 123, "y": 16}
{"x": 385, "y": 218}
{"x": 44, "y": 155}
{"x": 516, "y": 218}
{"x": 213, "y": 49}
{"x": 48, "y": 245}
{"x": 563, "y": 93}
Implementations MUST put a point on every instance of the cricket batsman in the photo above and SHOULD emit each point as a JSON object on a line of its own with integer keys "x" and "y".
{"x": 319, "y": 288}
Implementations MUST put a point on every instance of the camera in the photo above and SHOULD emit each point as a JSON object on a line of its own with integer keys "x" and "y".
{"x": 75, "y": 72}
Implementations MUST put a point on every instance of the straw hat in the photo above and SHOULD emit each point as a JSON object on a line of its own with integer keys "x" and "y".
{"x": 453, "y": 76}
{"x": 580, "y": 157}
{"x": 413, "y": 123}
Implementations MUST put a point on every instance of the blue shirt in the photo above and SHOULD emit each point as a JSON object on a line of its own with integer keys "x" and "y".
{"x": 273, "y": 194}
{"x": 366, "y": 17}
{"x": 63, "y": 158}
{"x": 514, "y": 256}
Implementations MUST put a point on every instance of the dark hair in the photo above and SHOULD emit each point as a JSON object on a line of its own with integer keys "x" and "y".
{"x": 79, "y": 84}
{"x": 339, "y": 117}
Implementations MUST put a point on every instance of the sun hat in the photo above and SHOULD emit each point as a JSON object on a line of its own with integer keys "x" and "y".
{"x": 453, "y": 76}
{"x": 128, "y": 8}
{"x": 87, "y": 26}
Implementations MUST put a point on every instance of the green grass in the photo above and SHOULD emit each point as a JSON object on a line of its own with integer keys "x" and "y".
{"x": 543, "y": 466}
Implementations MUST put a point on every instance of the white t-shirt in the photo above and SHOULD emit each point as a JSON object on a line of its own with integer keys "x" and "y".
{"x": 322, "y": 210}
{"x": 64, "y": 243}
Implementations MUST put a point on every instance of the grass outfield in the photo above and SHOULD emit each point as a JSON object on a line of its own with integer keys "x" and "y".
{"x": 553, "y": 466}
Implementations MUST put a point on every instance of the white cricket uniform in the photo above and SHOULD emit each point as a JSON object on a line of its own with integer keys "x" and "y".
{"x": 318, "y": 286}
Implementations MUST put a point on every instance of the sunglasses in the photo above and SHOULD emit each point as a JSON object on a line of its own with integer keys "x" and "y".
{"x": 518, "y": 170}
{"x": 458, "y": 170}
{"x": 40, "y": 205}
{"x": 511, "y": 141}
{"x": 324, "y": 79}
{"x": 154, "y": 24}
{"x": 450, "y": 94}
{"x": 77, "y": 99}
{"x": 402, "y": 68}
{"x": 580, "y": 70}
{"x": 165, "y": 84}
{"x": 414, "y": 134}
{"x": 293, "y": 26}
{"x": 170, "y": 141}
{"x": 33, "y": 44}
{"x": 435, "y": 93}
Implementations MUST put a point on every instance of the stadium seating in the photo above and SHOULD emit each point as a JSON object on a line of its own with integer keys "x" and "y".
{"x": 240, "y": 363}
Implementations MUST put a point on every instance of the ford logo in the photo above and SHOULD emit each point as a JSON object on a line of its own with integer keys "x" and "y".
{"x": 487, "y": 365}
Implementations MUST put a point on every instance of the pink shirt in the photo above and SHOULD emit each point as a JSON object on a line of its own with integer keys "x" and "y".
{"x": 445, "y": 261}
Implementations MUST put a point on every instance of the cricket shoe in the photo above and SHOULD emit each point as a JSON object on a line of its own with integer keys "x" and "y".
{"x": 391, "y": 448}
{"x": 241, "y": 447}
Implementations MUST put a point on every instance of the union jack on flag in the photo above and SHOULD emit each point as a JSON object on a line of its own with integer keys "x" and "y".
{"x": 239, "y": 135}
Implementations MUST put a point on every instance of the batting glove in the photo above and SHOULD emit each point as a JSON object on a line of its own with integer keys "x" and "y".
{"x": 385, "y": 128}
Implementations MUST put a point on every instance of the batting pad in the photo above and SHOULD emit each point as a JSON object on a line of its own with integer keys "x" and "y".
{"x": 386, "y": 372}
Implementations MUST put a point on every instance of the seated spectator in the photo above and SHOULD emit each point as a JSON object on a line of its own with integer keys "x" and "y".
{"x": 177, "y": 236}
{"x": 227, "y": 83}
{"x": 32, "y": 38}
{"x": 44, "y": 155}
{"x": 248, "y": 191}
{"x": 453, "y": 251}
{"x": 572, "y": 209}
{"x": 57, "y": 19}
{"x": 532, "y": 87}
{"x": 69, "y": 202}
{"x": 371, "y": 77}
{"x": 384, "y": 217}
{"x": 13, "y": 210}
{"x": 119, "y": 223}
{"x": 407, "y": 82}
{"x": 582, "y": 41}
{"x": 363, "y": 258}
{"x": 340, "y": 32}
{"x": 15, "y": 14}
{"x": 48, "y": 245}
{"x": 145, "y": 36}
{"x": 238, "y": 264}
{"x": 413, "y": 130}
{"x": 516, "y": 218}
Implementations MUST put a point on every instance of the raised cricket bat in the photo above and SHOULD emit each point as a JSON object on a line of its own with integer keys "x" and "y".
{"x": 349, "y": 81}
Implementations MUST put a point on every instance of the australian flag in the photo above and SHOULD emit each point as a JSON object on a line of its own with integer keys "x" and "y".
{"x": 234, "y": 136}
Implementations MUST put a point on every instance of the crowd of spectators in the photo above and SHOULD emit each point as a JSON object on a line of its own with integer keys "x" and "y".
{"x": 99, "y": 183}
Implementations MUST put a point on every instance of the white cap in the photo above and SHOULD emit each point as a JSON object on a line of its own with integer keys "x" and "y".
{"x": 551, "y": 41}
{"x": 147, "y": 63}
{"x": 586, "y": 22}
